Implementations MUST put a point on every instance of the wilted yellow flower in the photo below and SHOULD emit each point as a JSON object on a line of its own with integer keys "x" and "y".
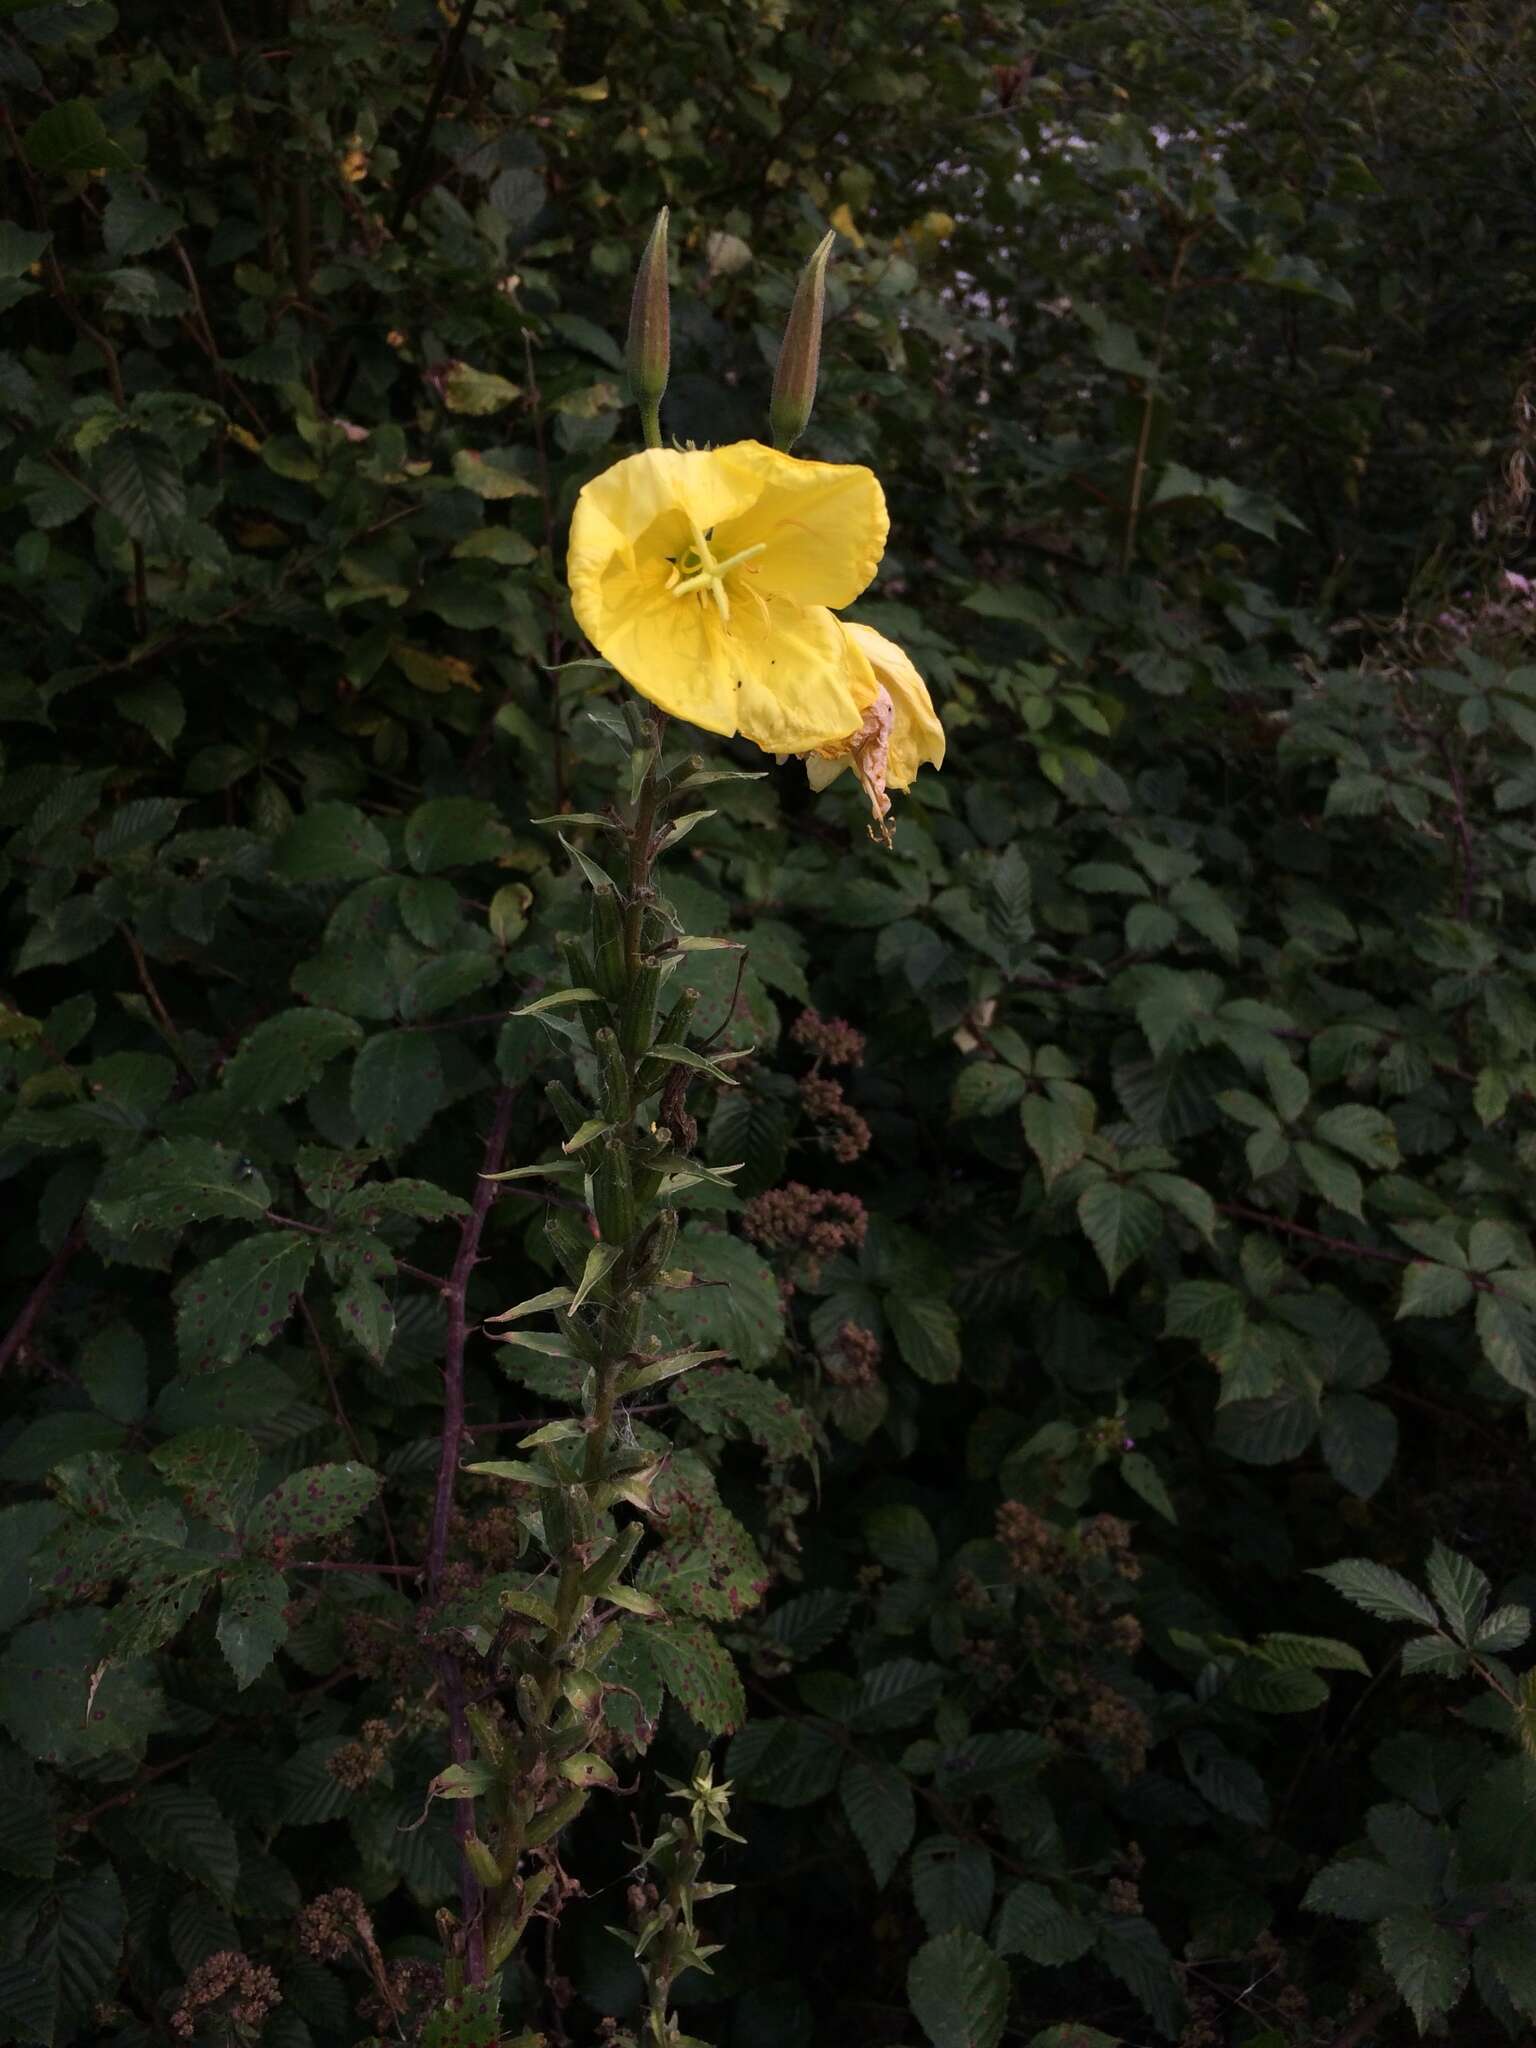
{"x": 899, "y": 729}
{"x": 705, "y": 577}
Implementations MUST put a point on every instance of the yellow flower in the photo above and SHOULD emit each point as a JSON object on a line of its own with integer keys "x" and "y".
{"x": 705, "y": 577}
{"x": 898, "y": 732}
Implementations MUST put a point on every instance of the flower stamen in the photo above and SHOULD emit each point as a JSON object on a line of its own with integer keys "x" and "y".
{"x": 703, "y": 572}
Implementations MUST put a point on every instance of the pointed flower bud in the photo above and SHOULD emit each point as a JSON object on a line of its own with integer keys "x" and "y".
{"x": 648, "y": 350}
{"x": 794, "y": 381}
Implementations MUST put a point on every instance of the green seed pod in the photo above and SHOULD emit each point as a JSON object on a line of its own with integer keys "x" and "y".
{"x": 794, "y": 380}
{"x": 602, "y": 1645}
{"x": 616, "y": 1103}
{"x": 674, "y": 1031}
{"x": 568, "y": 1741}
{"x": 570, "y": 1112}
{"x": 583, "y": 1521}
{"x": 578, "y": 1335}
{"x": 637, "y": 1018}
{"x": 577, "y": 965}
{"x": 569, "y": 1240}
{"x": 656, "y": 1248}
{"x": 613, "y": 1197}
{"x": 674, "y": 1026}
{"x": 487, "y": 1734}
{"x": 557, "y": 1522}
{"x": 614, "y": 1562}
{"x": 621, "y": 1324}
{"x": 553, "y": 1819}
{"x": 608, "y": 969}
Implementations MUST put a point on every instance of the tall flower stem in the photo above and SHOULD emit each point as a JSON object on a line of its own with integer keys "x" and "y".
{"x": 535, "y": 1766}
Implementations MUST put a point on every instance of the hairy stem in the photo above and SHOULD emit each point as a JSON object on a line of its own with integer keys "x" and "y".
{"x": 449, "y": 1676}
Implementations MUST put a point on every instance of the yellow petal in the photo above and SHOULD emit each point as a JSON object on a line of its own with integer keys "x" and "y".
{"x": 821, "y": 525}
{"x": 797, "y": 686}
{"x": 674, "y": 653}
{"x": 659, "y": 488}
{"x": 917, "y": 735}
{"x": 737, "y": 651}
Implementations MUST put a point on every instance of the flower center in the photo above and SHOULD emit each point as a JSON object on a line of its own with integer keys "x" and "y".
{"x": 696, "y": 569}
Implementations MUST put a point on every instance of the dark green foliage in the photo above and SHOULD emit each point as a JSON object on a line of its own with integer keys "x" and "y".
{"x": 1129, "y": 1344}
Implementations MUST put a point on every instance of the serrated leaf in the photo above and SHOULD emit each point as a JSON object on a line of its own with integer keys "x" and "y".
{"x": 1460, "y": 1589}
{"x": 734, "y": 1306}
{"x": 895, "y": 1694}
{"x": 1360, "y": 1888}
{"x": 1052, "y": 1130}
{"x": 1269, "y": 1689}
{"x": 46, "y": 1698}
{"x": 183, "y": 1828}
{"x": 252, "y": 1626}
{"x": 319, "y": 1501}
{"x": 927, "y": 1333}
{"x": 1506, "y": 1330}
{"x": 175, "y": 1182}
{"x": 902, "y": 1538}
{"x": 1433, "y": 1290}
{"x": 72, "y": 137}
{"x": 132, "y": 225}
{"x": 988, "y": 1088}
{"x": 1507, "y": 1628}
{"x": 285, "y": 1055}
{"x": 958, "y": 1989}
{"x": 1378, "y": 1590}
{"x": 397, "y": 1087}
{"x": 29, "y": 1839}
{"x": 1144, "y": 1479}
{"x": 1359, "y": 1440}
{"x": 1228, "y": 1782}
{"x": 1120, "y": 1223}
{"x": 1366, "y": 1134}
{"x": 213, "y": 1470}
{"x": 1436, "y": 1654}
{"x": 1134, "y": 1951}
{"x": 114, "y": 1370}
{"x": 1426, "y": 1962}
{"x": 724, "y": 1400}
{"x": 471, "y": 2020}
{"x": 71, "y": 1960}
{"x": 241, "y": 1299}
{"x": 454, "y": 831}
{"x": 1032, "y": 1922}
{"x": 1504, "y": 1945}
{"x": 952, "y": 1883}
{"x": 365, "y": 1315}
{"x": 1334, "y": 1178}
{"x": 331, "y": 842}
{"x": 696, "y": 1668}
{"x": 881, "y": 1809}
{"x": 1287, "y": 1651}
{"x": 141, "y": 484}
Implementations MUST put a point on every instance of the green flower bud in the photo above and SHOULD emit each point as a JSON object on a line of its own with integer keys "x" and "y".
{"x": 648, "y": 351}
{"x": 794, "y": 381}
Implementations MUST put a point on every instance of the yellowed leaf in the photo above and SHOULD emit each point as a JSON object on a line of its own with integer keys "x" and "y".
{"x": 438, "y": 673}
